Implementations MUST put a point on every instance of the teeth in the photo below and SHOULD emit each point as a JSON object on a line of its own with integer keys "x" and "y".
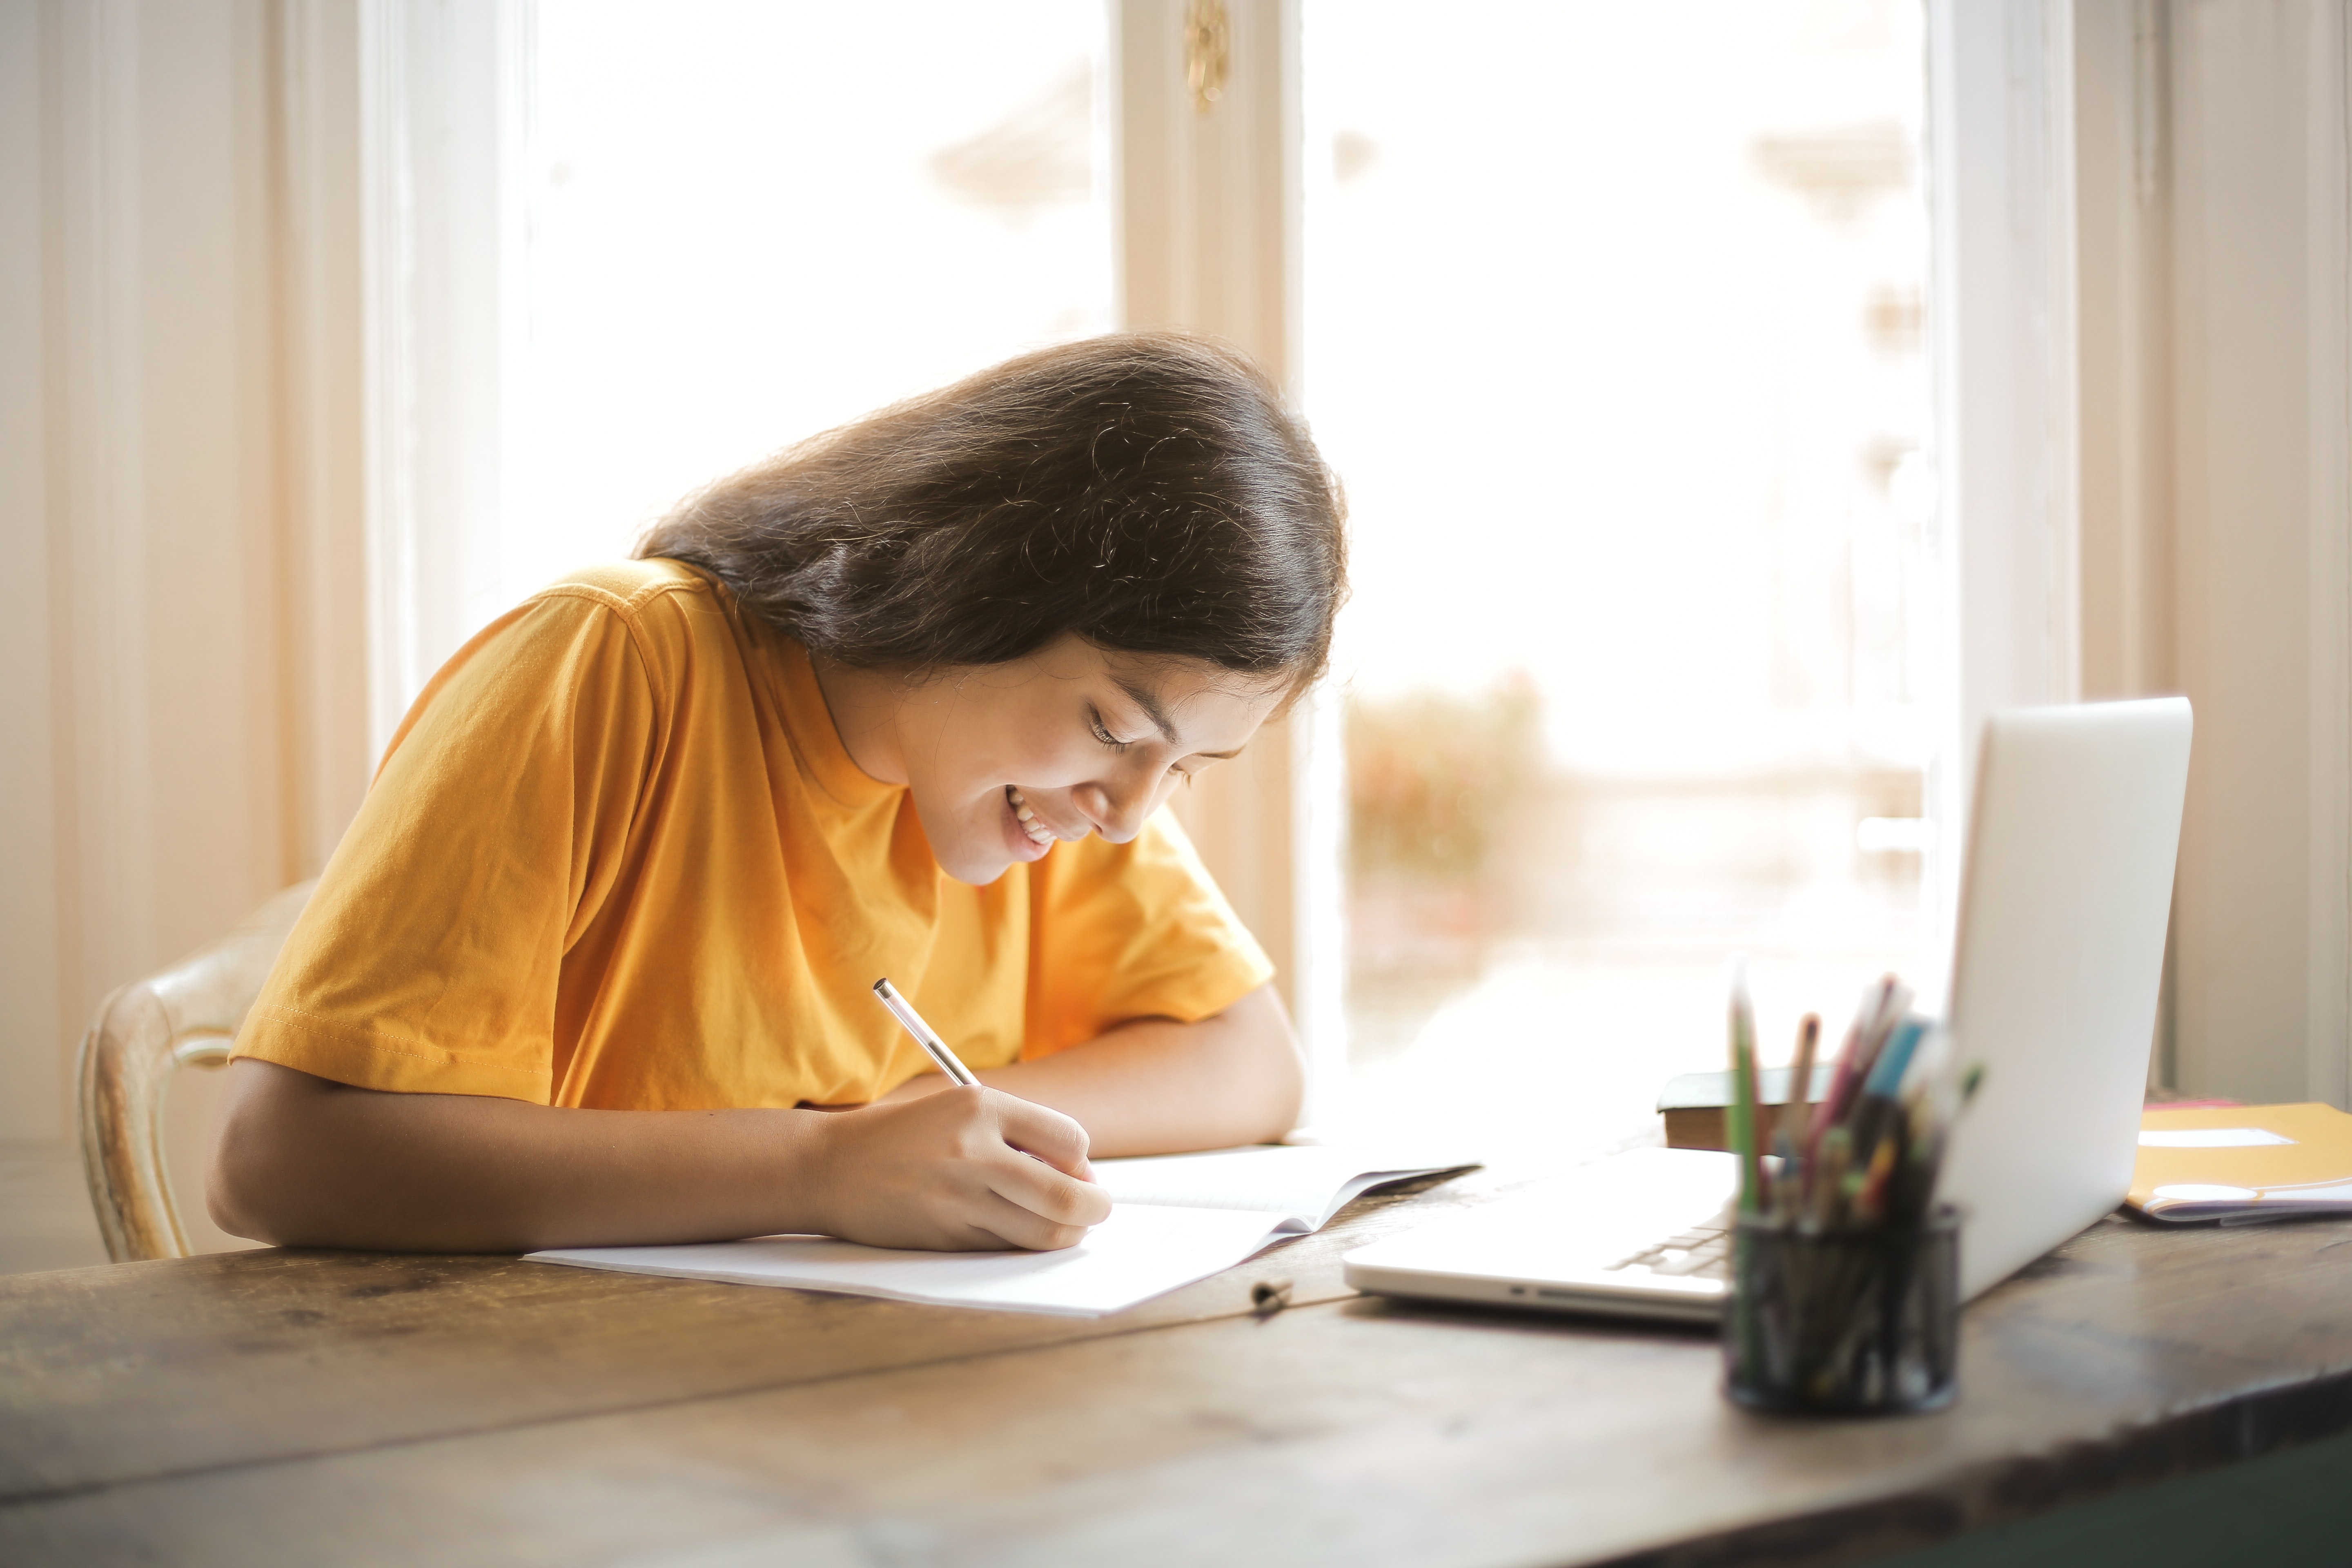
{"x": 1037, "y": 831}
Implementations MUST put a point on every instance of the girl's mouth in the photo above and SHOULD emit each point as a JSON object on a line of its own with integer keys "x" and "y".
{"x": 1037, "y": 832}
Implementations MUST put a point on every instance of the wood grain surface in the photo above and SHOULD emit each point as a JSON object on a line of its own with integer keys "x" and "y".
{"x": 486, "y": 1411}
{"x": 139, "y": 1370}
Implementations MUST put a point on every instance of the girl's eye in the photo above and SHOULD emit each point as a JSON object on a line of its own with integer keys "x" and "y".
{"x": 1102, "y": 734}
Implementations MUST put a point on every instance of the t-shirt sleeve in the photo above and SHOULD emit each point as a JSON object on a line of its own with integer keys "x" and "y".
{"x": 1122, "y": 932}
{"x": 429, "y": 957}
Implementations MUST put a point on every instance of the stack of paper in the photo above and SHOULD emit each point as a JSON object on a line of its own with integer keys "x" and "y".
{"x": 1177, "y": 1218}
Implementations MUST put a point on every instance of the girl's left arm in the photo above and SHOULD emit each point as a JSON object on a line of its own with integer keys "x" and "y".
{"x": 1158, "y": 1086}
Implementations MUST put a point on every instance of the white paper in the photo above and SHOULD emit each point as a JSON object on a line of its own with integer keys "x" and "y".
{"x": 1138, "y": 1253}
{"x": 2212, "y": 1138}
{"x": 1308, "y": 1183}
{"x": 2247, "y": 1205}
{"x": 1176, "y": 1218}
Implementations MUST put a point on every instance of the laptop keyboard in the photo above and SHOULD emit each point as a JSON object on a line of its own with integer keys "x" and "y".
{"x": 1703, "y": 1252}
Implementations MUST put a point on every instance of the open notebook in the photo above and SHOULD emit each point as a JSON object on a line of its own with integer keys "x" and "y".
{"x": 1177, "y": 1218}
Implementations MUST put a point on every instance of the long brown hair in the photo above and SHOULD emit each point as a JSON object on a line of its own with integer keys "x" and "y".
{"x": 1145, "y": 491}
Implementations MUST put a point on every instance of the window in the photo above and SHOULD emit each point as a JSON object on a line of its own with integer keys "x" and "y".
{"x": 1657, "y": 603}
{"x": 750, "y": 222}
{"x": 1613, "y": 326}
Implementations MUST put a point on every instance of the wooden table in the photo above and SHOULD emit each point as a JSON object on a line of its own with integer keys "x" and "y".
{"x": 331, "y": 1407}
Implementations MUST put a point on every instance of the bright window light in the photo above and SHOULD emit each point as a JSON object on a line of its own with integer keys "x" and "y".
{"x": 1614, "y": 330}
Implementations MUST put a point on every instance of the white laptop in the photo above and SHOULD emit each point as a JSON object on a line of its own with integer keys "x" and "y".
{"x": 2055, "y": 980}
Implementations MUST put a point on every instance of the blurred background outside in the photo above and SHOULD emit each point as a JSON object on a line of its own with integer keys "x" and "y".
{"x": 1615, "y": 332}
{"x": 1613, "y": 320}
{"x": 749, "y": 222}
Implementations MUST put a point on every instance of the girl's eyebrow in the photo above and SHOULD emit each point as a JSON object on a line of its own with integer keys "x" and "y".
{"x": 1148, "y": 701}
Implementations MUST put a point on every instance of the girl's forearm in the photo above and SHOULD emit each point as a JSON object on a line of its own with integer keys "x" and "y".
{"x": 300, "y": 1161}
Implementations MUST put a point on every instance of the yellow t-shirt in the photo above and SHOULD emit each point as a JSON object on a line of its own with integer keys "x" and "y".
{"x": 616, "y": 856}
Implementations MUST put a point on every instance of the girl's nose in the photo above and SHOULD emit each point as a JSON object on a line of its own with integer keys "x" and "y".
{"x": 1117, "y": 810}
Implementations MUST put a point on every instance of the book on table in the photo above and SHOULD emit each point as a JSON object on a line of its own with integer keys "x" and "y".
{"x": 1175, "y": 1218}
{"x": 1694, "y": 1104}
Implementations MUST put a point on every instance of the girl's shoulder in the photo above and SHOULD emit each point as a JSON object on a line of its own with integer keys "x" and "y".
{"x": 669, "y": 610}
{"x": 631, "y": 588}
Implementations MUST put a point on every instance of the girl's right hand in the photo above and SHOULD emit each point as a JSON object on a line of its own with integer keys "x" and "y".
{"x": 965, "y": 1170}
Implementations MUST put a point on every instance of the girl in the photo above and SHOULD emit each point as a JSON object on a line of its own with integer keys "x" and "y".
{"x": 593, "y": 964}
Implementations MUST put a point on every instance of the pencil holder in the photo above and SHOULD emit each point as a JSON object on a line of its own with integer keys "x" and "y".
{"x": 1852, "y": 1322}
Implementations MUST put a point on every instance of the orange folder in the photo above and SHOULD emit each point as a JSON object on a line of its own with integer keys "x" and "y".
{"x": 2244, "y": 1164}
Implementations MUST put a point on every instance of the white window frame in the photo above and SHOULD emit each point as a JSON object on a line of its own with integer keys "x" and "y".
{"x": 1209, "y": 210}
{"x": 2213, "y": 193}
{"x": 2001, "y": 314}
{"x": 2142, "y": 290}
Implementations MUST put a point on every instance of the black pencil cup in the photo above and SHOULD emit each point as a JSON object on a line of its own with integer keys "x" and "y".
{"x": 1852, "y": 1322}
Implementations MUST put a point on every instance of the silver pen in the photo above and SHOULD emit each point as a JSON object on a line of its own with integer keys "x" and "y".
{"x": 925, "y": 1036}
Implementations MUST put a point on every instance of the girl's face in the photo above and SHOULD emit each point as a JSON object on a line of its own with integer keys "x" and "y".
{"x": 1004, "y": 760}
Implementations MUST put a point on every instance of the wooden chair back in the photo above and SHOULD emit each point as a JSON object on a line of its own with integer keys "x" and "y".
{"x": 184, "y": 1015}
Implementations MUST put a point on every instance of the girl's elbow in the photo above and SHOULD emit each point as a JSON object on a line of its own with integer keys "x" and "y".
{"x": 1282, "y": 1096}
{"x": 254, "y": 1185}
{"x": 245, "y": 1194}
{"x": 230, "y": 1200}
